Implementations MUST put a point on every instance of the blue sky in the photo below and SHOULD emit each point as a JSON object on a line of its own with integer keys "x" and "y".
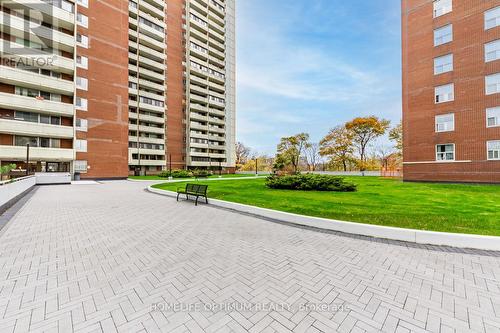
{"x": 309, "y": 65}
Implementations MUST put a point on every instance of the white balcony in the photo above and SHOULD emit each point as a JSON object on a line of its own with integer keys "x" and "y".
{"x": 199, "y": 90}
{"x": 216, "y": 129}
{"x": 216, "y": 53}
{"x": 217, "y": 9}
{"x": 151, "y": 85}
{"x": 149, "y": 107}
{"x": 146, "y": 73}
{"x": 150, "y": 129}
{"x": 145, "y": 162}
{"x": 35, "y": 129}
{"x": 148, "y": 118}
{"x": 197, "y": 107}
{"x": 197, "y": 126}
{"x": 199, "y": 37}
{"x": 62, "y": 18}
{"x": 217, "y": 112}
{"x": 36, "y": 154}
{"x": 213, "y": 155}
{"x": 147, "y": 140}
{"x": 39, "y": 59}
{"x": 197, "y": 116}
{"x": 31, "y": 104}
{"x": 145, "y": 151}
{"x": 17, "y": 27}
{"x": 198, "y": 98}
{"x": 151, "y": 10}
{"x": 198, "y": 135}
{"x": 19, "y": 77}
{"x": 150, "y": 42}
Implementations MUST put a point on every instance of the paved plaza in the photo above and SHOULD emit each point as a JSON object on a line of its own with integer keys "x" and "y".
{"x": 112, "y": 257}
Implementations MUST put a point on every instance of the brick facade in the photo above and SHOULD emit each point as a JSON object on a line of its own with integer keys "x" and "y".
{"x": 470, "y": 134}
{"x": 107, "y": 115}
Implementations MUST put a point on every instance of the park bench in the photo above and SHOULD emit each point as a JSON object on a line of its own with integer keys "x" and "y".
{"x": 193, "y": 190}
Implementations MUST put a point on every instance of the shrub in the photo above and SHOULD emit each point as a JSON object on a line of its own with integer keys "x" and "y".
{"x": 175, "y": 174}
{"x": 201, "y": 173}
{"x": 181, "y": 174}
{"x": 164, "y": 174}
{"x": 310, "y": 182}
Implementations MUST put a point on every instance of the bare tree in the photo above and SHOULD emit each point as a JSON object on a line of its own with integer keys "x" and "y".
{"x": 384, "y": 155}
{"x": 242, "y": 153}
{"x": 312, "y": 156}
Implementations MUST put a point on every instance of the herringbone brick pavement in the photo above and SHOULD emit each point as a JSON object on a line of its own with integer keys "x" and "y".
{"x": 111, "y": 257}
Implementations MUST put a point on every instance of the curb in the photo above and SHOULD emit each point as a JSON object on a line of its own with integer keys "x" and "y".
{"x": 489, "y": 243}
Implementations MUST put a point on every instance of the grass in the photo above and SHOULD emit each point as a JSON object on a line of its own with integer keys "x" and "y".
{"x": 213, "y": 176}
{"x": 457, "y": 208}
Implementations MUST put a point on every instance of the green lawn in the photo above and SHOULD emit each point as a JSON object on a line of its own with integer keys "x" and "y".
{"x": 214, "y": 176}
{"x": 473, "y": 209}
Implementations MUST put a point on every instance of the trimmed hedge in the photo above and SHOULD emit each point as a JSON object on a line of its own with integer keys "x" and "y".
{"x": 310, "y": 182}
{"x": 201, "y": 173}
{"x": 176, "y": 174}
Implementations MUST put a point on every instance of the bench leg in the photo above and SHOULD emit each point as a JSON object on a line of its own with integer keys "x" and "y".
{"x": 196, "y": 202}
{"x": 178, "y": 196}
{"x": 206, "y": 200}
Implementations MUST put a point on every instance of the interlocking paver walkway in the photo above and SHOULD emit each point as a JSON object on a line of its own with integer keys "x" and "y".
{"x": 112, "y": 257}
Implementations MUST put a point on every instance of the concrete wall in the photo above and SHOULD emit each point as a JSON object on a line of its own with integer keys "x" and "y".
{"x": 47, "y": 178}
{"x": 9, "y": 191}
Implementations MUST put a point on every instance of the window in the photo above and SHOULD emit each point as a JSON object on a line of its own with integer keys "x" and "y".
{"x": 82, "y": 83}
{"x": 26, "y": 116}
{"x": 442, "y": 7}
{"x": 151, "y": 101}
{"x": 82, "y": 20}
{"x": 25, "y": 140}
{"x": 55, "y": 143}
{"x": 55, "y": 120}
{"x": 81, "y": 124}
{"x": 27, "y": 92}
{"x": 80, "y": 166}
{"x": 151, "y": 24}
{"x": 493, "y": 84}
{"x": 443, "y": 64}
{"x": 44, "y": 119}
{"x": 493, "y": 117}
{"x": 444, "y": 93}
{"x": 82, "y": 40}
{"x": 445, "y": 152}
{"x": 82, "y": 62}
{"x": 83, "y": 3}
{"x": 445, "y": 123}
{"x": 492, "y": 18}
{"x": 443, "y": 35}
{"x": 81, "y": 103}
{"x": 492, "y": 51}
{"x": 81, "y": 146}
{"x": 45, "y": 142}
{"x": 66, "y": 5}
{"x": 493, "y": 150}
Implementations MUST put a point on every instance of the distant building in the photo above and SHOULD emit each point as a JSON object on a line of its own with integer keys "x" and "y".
{"x": 451, "y": 90}
{"x": 105, "y": 88}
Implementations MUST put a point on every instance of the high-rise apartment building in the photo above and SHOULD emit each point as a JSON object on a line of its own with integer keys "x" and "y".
{"x": 451, "y": 90}
{"x": 106, "y": 88}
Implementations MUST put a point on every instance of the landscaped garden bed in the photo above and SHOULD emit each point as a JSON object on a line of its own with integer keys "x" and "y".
{"x": 472, "y": 209}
